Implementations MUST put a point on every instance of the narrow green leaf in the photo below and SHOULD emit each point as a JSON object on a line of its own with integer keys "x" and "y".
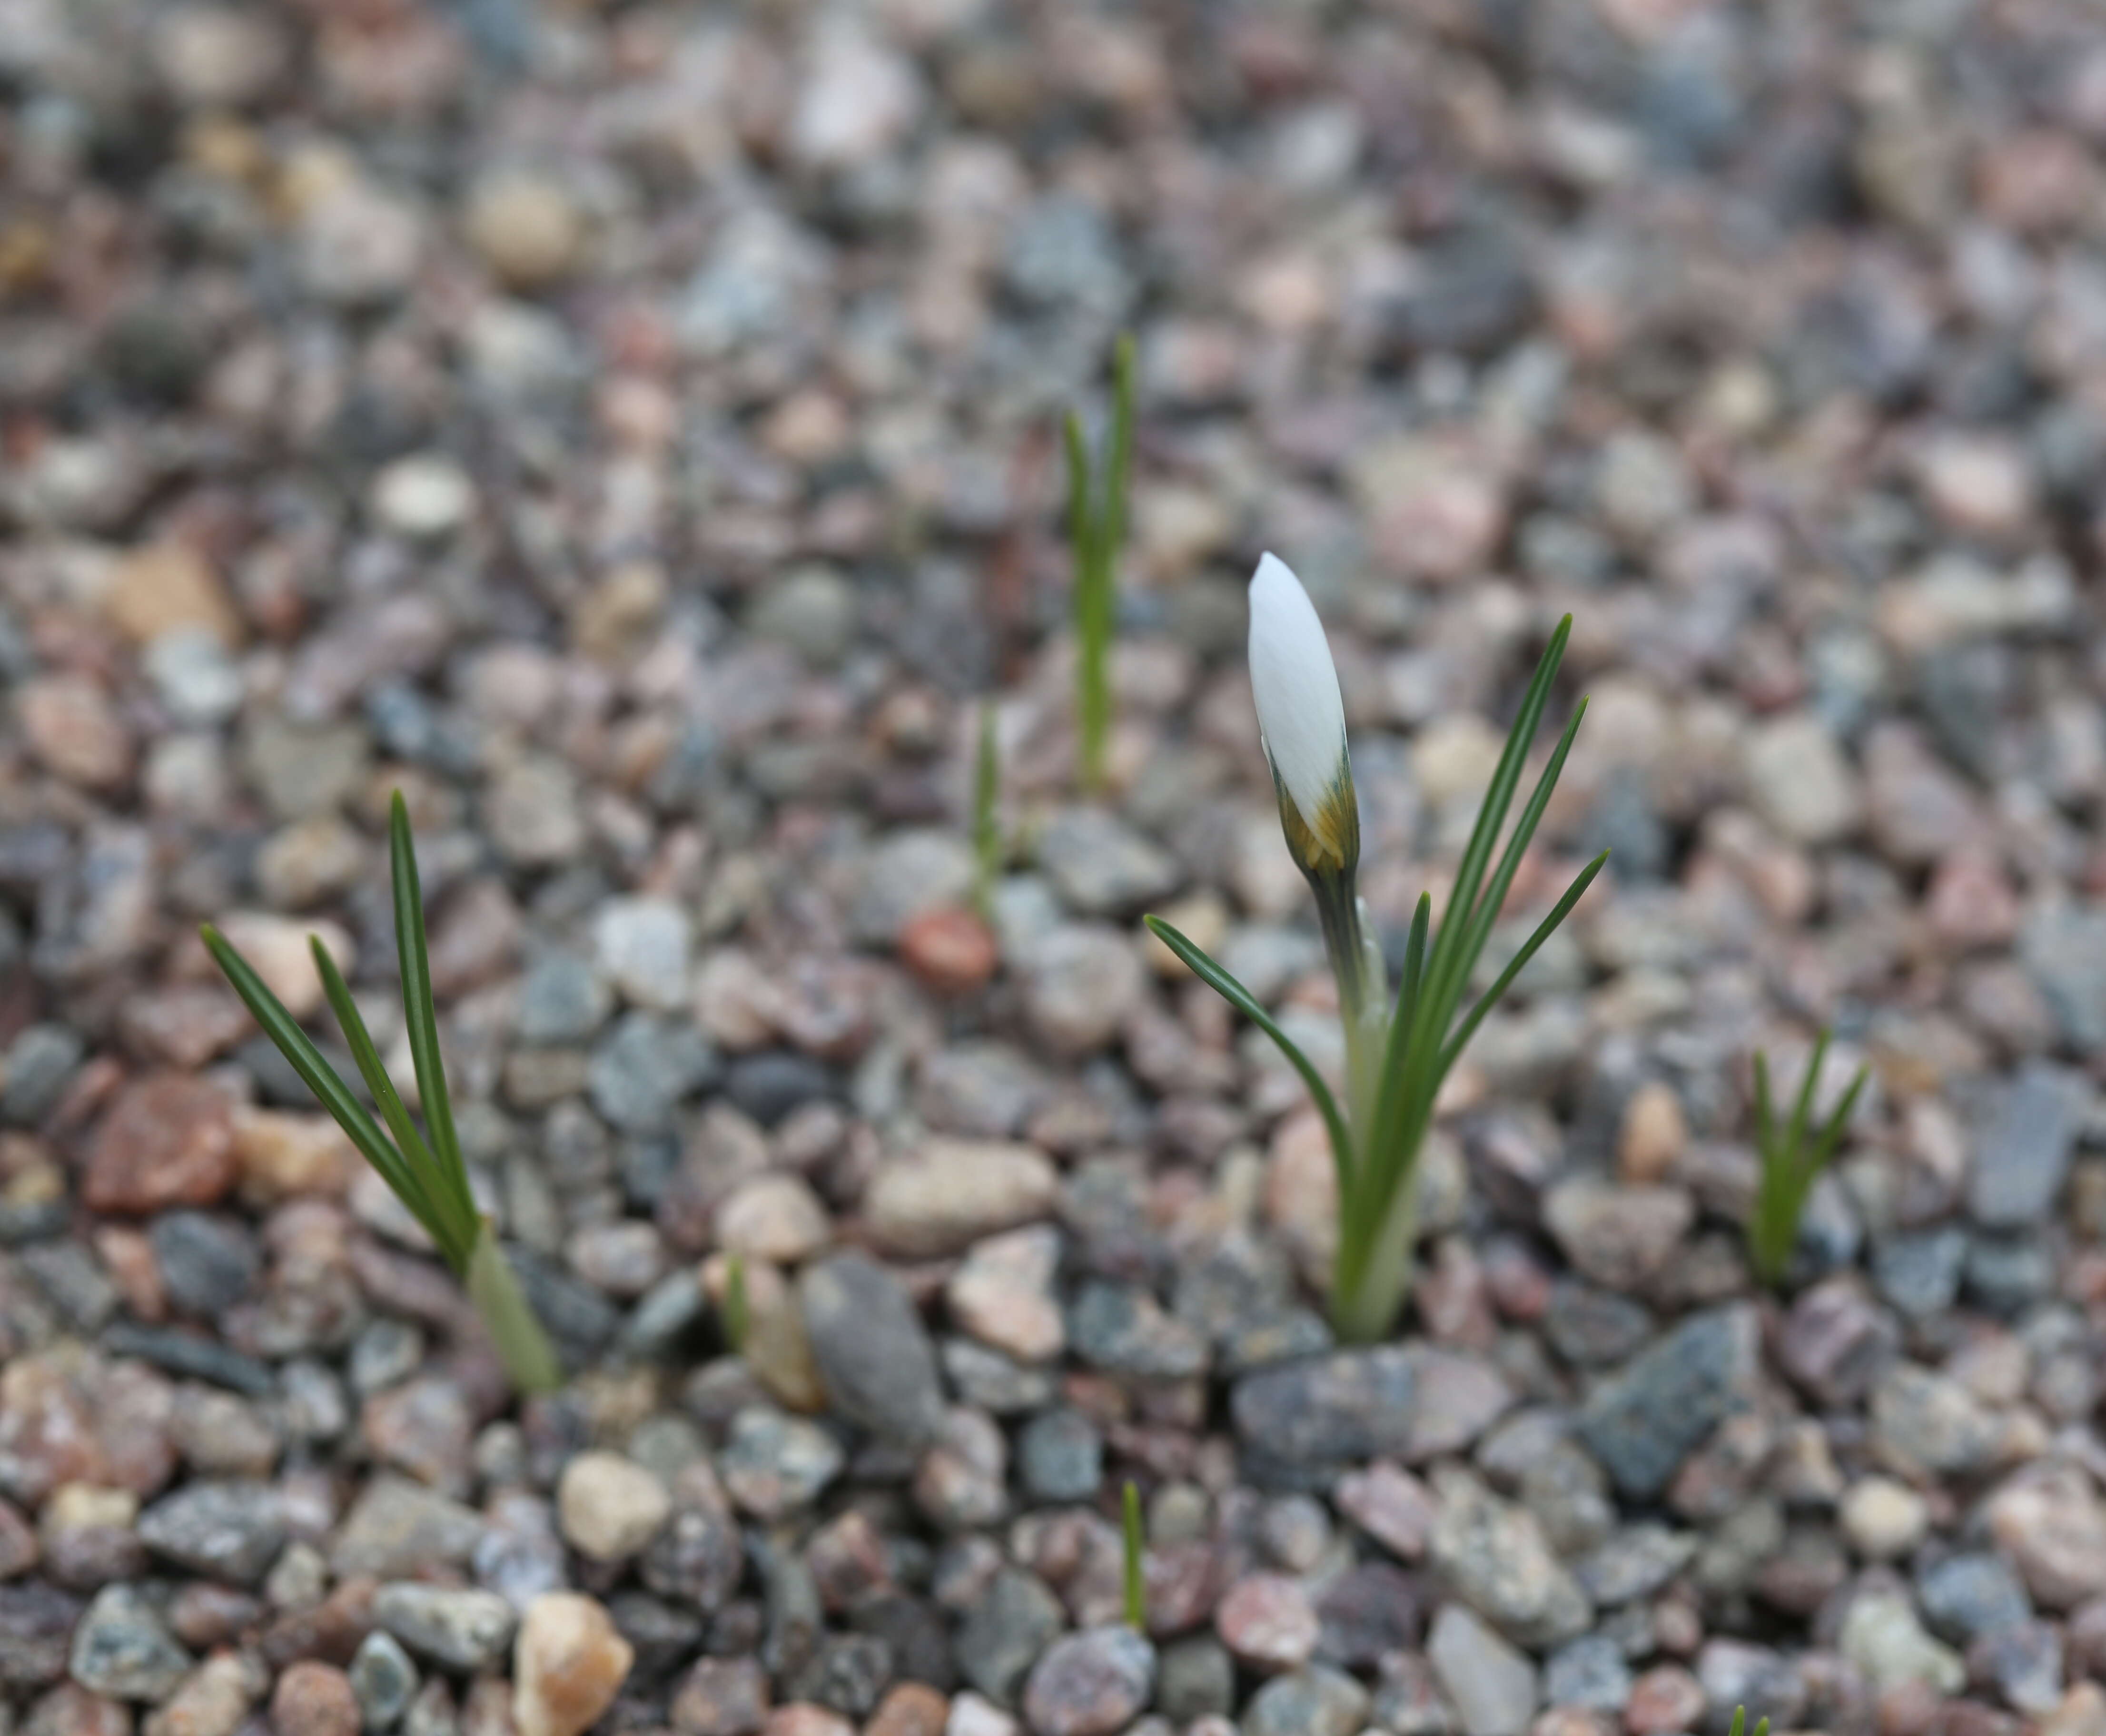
{"x": 1245, "y": 1003}
{"x": 1795, "y": 1137}
{"x": 1838, "y": 1124}
{"x": 529, "y": 1358}
{"x": 306, "y": 1060}
{"x": 1486, "y": 916}
{"x": 1119, "y": 461}
{"x": 1447, "y": 982}
{"x": 736, "y": 1314}
{"x": 1135, "y": 1548}
{"x": 427, "y": 1204}
{"x": 1558, "y": 912}
{"x": 419, "y": 1011}
{"x": 1765, "y": 1133}
{"x": 1414, "y": 972}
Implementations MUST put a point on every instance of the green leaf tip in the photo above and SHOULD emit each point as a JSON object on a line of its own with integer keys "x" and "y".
{"x": 1133, "y": 1541}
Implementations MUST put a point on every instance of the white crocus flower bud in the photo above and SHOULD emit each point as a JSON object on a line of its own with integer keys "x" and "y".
{"x": 1302, "y": 719}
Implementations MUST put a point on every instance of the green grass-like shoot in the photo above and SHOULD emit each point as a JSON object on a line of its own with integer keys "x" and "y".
{"x": 1136, "y": 1543}
{"x": 424, "y": 1169}
{"x": 988, "y": 849}
{"x": 1740, "y": 1722}
{"x": 1096, "y": 527}
{"x": 736, "y": 1313}
{"x": 1375, "y": 1150}
{"x": 1790, "y": 1166}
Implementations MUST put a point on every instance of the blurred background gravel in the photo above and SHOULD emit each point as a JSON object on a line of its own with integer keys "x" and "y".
{"x": 628, "y": 429}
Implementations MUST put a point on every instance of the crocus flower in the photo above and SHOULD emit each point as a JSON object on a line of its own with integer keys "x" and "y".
{"x": 1302, "y": 720}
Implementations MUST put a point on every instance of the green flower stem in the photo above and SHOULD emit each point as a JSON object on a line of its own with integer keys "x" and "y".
{"x": 529, "y": 1359}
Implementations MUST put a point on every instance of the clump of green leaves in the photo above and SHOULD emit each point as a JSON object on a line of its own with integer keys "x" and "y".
{"x": 1135, "y": 1545}
{"x": 1399, "y": 1052}
{"x": 988, "y": 847}
{"x": 424, "y": 1168}
{"x": 1096, "y": 527}
{"x": 1791, "y": 1163}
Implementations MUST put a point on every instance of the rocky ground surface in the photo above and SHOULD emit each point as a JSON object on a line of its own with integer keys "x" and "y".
{"x": 627, "y": 429}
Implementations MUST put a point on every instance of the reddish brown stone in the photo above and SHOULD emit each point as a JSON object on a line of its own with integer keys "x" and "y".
{"x": 314, "y": 1699}
{"x": 910, "y": 1709}
{"x": 167, "y": 1140}
{"x": 948, "y": 949}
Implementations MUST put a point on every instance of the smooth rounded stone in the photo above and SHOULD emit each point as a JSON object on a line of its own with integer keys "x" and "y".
{"x": 1303, "y": 1419}
{"x": 206, "y": 1262}
{"x": 980, "y": 1090}
{"x": 963, "y": 1480}
{"x": 1634, "y": 1562}
{"x": 1918, "y": 1271}
{"x": 424, "y": 1427}
{"x": 1799, "y": 780}
{"x": 953, "y": 1192}
{"x": 1492, "y": 1686}
{"x": 121, "y": 1647}
{"x": 1588, "y": 1673}
{"x": 1836, "y": 1342}
{"x": 1194, "y": 1678}
{"x": 2006, "y": 1275}
{"x": 1316, "y": 1702}
{"x": 1924, "y": 1419}
{"x": 1101, "y": 866}
{"x": 1666, "y": 1699}
{"x": 1593, "y": 1328}
{"x": 907, "y": 874}
{"x": 424, "y": 496}
{"x": 568, "y": 1663}
{"x": 313, "y": 1698}
{"x": 610, "y": 1507}
{"x": 1080, "y": 984}
{"x": 531, "y": 810}
{"x": 2052, "y": 1523}
{"x": 1619, "y": 1237}
{"x": 562, "y": 1000}
{"x": 1061, "y": 1455}
{"x": 811, "y": 609}
{"x": 459, "y": 1628}
{"x": 211, "y": 1700}
{"x": 1495, "y": 1556}
{"x": 774, "y": 1465}
{"x": 721, "y": 1696}
{"x": 1455, "y": 1399}
{"x": 2023, "y": 1146}
{"x": 644, "y": 1067}
{"x": 88, "y": 1537}
{"x": 37, "y": 1623}
{"x": 1003, "y": 1294}
{"x": 229, "y": 1530}
{"x": 37, "y": 1066}
{"x": 397, "y": 1527}
{"x": 1644, "y": 1420}
{"x": 1094, "y": 1682}
{"x": 698, "y": 1559}
{"x": 1882, "y": 1638}
{"x": 1122, "y": 1329}
{"x": 166, "y": 1140}
{"x": 524, "y": 227}
{"x": 1005, "y": 1630}
{"x": 773, "y": 1085}
{"x": 1268, "y": 1621}
{"x": 641, "y": 947}
{"x": 2063, "y": 948}
{"x": 195, "y": 676}
{"x": 18, "y": 1541}
{"x": 1768, "y": 1683}
{"x": 383, "y": 1679}
{"x": 2024, "y": 1663}
{"x": 989, "y": 1381}
{"x": 1884, "y": 1519}
{"x": 774, "y": 1217}
{"x": 71, "y": 727}
{"x": 623, "y": 1258}
{"x": 1966, "y": 1596}
{"x": 874, "y": 1354}
{"x": 1367, "y": 1613}
{"x": 385, "y": 1354}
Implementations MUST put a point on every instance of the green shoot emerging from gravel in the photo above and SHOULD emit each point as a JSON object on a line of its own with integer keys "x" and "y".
{"x": 1790, "y": 1166}
{"x": 1135, "y": 1544}
{"x": 1741, "y": 1723}
{"x": 1096, "y": 526}
{"x": 424, "y": 1169}
{"x": 1397, "y": 1052}
{"x": 987, "y": 849}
